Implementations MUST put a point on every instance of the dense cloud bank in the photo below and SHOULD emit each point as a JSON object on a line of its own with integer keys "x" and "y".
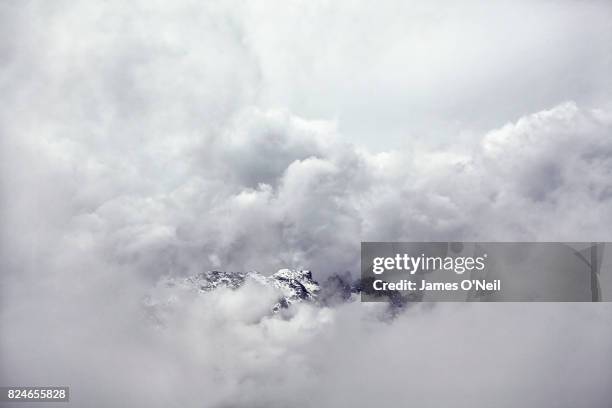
{"x": 280, "y": 191}
{"x": 140, "y": 140}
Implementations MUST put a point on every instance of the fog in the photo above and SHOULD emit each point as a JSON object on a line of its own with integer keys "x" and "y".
{"x": 140, "y": 140}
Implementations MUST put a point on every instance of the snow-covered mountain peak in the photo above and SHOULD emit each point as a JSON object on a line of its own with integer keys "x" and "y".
{"x": 297, "y": 284}
{"x": 293, "y": 285}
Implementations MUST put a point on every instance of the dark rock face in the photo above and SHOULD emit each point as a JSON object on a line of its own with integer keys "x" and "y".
{"x": 338, "y": 288}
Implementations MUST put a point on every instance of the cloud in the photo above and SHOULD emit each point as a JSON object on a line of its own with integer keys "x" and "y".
{"x": 223, "y": 349}
{"x": 317, "y": 198}
{"x": 415, "y": 71}
{"x": 83, "y": 285}
{"x": 145, "y": 139}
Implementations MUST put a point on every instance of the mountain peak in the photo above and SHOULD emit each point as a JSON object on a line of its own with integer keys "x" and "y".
{"x": 294, "y": 284}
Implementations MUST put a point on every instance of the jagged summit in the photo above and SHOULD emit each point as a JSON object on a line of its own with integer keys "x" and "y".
{"x": 295, "y": 285}
{"x": 298, "y": 284}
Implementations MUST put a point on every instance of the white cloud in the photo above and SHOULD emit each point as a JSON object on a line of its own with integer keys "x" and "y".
{"x": 146, "y": 139}
{"x": 83, "y": 283}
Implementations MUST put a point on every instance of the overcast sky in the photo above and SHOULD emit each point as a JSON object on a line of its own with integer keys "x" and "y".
{"x": 149, "y": 138}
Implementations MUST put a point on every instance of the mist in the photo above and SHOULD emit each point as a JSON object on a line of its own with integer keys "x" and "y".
{"x": 143, "y": 140}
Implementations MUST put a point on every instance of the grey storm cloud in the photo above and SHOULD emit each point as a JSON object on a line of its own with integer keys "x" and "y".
{"x": 147, "y": 139}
